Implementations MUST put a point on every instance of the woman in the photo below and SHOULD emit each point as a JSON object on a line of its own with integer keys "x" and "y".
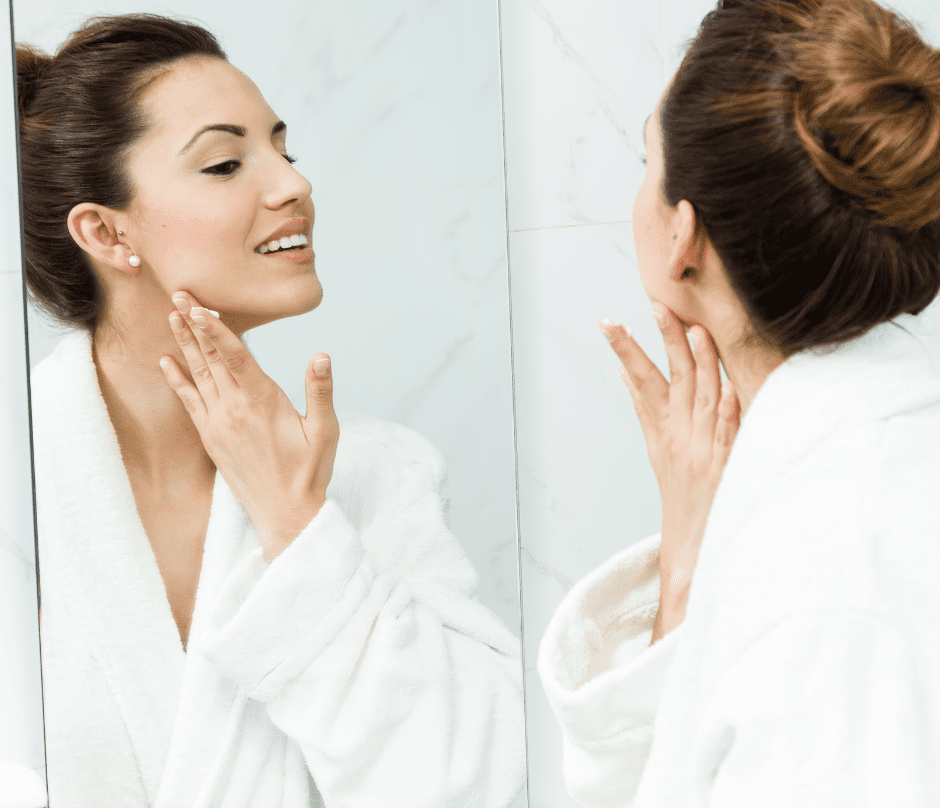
{"x": 777, "y": 643}
{"x": 241, "y": 606}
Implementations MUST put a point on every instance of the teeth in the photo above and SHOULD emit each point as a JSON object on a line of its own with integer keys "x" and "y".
{"x": 296, "y": 240}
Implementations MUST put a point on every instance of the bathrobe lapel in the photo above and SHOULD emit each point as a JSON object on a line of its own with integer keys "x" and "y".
{"x": 182, "y": 717}
{"x": 783, "y": 423}
{"x": 104, "y": 564}
{"x": 208, "y": 718}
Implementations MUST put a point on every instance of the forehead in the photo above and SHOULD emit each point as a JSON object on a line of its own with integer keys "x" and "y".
{"x": 193, "y": 93}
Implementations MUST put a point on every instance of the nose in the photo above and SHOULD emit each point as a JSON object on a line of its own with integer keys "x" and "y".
{"x": 287, "y": 184}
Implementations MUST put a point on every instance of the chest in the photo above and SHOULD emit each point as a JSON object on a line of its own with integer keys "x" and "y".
{"x": 175, "y": 520}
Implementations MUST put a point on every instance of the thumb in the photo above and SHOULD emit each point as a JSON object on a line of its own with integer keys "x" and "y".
{"x": 319, "y": 385}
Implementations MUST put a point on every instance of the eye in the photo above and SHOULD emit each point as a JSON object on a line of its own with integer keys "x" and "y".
{"x": 223, "y": 169}
{"x": 290, "y": 159}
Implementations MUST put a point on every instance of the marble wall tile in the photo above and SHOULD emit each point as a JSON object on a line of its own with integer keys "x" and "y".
{"x": 579, "y": 79}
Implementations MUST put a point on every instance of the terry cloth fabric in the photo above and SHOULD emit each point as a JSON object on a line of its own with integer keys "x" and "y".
{"x": 807, "y": 669}
{"x": 355, "y": 670}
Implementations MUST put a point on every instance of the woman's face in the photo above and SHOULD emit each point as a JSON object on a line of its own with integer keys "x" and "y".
{"x": 651, "y": 219}
{"x": 213, "y": 183}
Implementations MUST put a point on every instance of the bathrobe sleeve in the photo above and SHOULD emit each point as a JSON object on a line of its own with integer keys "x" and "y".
{"x": 367, "y": 648}
{"x": 602, "y": 677}
{"x": 825, "y": 710}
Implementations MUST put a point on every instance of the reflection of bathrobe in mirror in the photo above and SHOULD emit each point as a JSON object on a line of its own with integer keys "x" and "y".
{"x": 358, "y": 653}
{"x": 806, "y": 672}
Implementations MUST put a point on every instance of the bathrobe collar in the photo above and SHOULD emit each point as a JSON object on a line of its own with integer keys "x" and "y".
{"x": 109, "y": 575}
{"x": 893, "y": 368}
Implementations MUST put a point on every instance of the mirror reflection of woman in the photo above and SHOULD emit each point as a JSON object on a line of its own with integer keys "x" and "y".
{"x": 241, "y": 606}
{"x": 777, "y": 643}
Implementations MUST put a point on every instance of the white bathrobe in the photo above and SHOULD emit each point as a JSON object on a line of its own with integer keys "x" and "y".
{"x": 355, "y": 670}
{"x": 806, "y": 673}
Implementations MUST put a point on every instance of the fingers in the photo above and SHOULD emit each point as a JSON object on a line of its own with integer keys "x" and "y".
{"x": 707, "y": 387}
{"x": 681, "y": 369}
{"x": 729, "y": 419}
{"x": 224, "y": 354}
{"x": 195, "y": 358}
{"x": 650, "y": 390}
{"x": 319, "y": 383}
{"x": 188, "y": 394}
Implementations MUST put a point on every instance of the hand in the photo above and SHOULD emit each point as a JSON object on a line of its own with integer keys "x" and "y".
{"x": 276, "y": 462}
{"x": 689, "y": 424}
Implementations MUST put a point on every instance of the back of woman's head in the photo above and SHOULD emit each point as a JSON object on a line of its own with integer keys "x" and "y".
{"x": 79, "y": 115}
{"x": 806, "y": 135}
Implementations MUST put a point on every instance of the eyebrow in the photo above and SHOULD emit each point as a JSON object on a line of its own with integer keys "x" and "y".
{"x": 232, "y": 129}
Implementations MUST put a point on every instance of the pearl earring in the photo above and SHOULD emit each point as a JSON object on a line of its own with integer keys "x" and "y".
{"x": 134, "y": 261}
{"x": 673, "y": 235}
{"x": 120, "y": 232}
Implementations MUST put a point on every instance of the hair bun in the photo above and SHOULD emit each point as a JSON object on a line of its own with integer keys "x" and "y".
{"x": 31, "y": 63}
{"x": 867, "y": 109}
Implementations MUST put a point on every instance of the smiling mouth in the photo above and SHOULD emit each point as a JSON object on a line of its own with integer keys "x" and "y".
{"x": 298, "y": 241}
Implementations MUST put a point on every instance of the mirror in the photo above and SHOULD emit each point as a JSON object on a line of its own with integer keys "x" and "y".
{"x": 394, "y": 115}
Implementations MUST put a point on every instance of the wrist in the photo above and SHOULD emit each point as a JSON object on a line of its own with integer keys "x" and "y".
{"x": 277, "y": 534}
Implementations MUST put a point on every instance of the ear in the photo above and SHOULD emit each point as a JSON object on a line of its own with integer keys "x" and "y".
{"x": 686, "y": 256}
{"x": 94, "y": 229}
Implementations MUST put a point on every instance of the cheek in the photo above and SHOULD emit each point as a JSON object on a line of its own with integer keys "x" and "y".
{"x": 186, "y": 233}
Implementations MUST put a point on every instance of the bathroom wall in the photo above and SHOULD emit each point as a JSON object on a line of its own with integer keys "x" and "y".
{"x": 21, "y": 735}
{"x": 393, "y": 111}
{"x": 579, "y": 80}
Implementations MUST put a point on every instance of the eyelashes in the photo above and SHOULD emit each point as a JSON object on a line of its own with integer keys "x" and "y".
{"x": 229, "y": 167}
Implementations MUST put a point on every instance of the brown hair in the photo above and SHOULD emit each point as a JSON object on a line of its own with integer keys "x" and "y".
{"x": 79, "y": 114}
{"x": 805, "y": 135}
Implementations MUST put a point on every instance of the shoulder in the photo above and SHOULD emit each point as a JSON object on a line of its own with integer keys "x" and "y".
{"x": 369, "y": 441}
{"x": 382, "y": 462}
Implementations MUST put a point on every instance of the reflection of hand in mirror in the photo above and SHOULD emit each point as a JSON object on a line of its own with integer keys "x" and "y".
{"x": 689, "y": 424}
{"x": 277, "y": 462}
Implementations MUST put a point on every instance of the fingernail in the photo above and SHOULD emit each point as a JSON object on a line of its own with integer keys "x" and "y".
{"x": 165, "y": 364}
{"x": 199, "y": 316}
{"x": 322, "y": 367}
{"x": 182, "y": 304}
{"x": 213, "y": 313}
{"x": 659, "y": 313}
{"x": 622, "y": 372}
{"x": 176, "y": 323}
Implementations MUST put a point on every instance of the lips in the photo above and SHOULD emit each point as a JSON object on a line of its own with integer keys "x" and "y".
{"x": 292, "y": 227}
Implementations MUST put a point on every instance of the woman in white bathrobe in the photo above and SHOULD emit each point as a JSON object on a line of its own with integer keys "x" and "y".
{"x": 241, "y": 606}
{"x": 778, "y": 644}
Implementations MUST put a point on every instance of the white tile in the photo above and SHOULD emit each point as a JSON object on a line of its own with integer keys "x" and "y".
{"x": 579, "y": 80}
{"x": 586, "y": 487}
{"x": 544, "y": 743}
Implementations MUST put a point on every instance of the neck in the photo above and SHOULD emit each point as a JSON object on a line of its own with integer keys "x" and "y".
{"x": 748, "y": 367}
{"x": 157, "y": 437}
